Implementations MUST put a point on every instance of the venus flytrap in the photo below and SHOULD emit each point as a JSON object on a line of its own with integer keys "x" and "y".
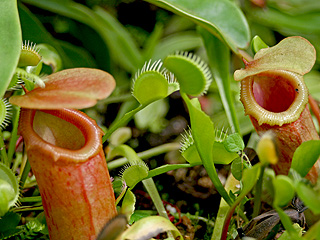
{"x": 203, "y": 131}
{"x": 151, "y": 83}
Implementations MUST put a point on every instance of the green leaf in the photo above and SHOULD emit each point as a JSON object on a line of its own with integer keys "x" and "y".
{"x": 128, "y": 202}
{"x": 306, "y": 156}
{"x": 234, "y": 143}
{"x": 219, "y": 60}
{"x": 294, "y": 54}
{"x": 221, "y": 17}
{"x": 309, "y": 196}
{"x": 10, "y": 42}
{"x": 237, "y": 168}
{"x": 121, "y": 45}
{"x": 204, "y": 136}
{"x": 257, "y": 44}
{"x": 9, "y": 189}
{"x": 283, "y": 190}
{"x": 34, "y": 31}
{"x": 221, "y": 155}
{"x": 149, "y": 227}
{"x": 9, "y": 222}
{"x": 180, "y": 41}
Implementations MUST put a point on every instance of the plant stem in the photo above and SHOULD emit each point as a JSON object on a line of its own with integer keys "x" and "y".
{"x": 257, "y": 197}
{"x": 31, "y": 199}
{"x": 121, "y": 122}
{"x": 133, "y": 157}
{"x": 231, "y": 185}
{"x": 116, "y": 99}
{"x": 3, "y": 151}
{"x": 25, "y": 169}
{"x": 146, "y": 154}
{"x": 14, "y": 135}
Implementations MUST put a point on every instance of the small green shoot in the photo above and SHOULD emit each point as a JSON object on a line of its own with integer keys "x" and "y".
{"x": 257, "y": 44}
{"x": 234, "y": 143}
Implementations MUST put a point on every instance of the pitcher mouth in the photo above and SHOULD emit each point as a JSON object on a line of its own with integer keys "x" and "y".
{"x": 274, "y": 97}
{"x": 46, "y": 130}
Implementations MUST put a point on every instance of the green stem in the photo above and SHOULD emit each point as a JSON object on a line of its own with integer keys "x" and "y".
{"x": 121, "y": 122}
{"x": 25, "y": 209}
{"x": 146, "y": 154}
{"x": 25, "y": 168}
{"x": 224, "y": 207}
{"x": 203, "y": 133}
{"x": 14, "y": 133}
{"x": 133, "y": 158}
{"x": 116, "y": 99}
{"x": 257, "y": 196}
{"x": 154, "y": 194}
{"x": 31, "y": 199}
{"x": 4, "y": 155}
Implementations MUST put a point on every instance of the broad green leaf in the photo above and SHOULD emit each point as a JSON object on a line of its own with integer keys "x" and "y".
{"x": 10, "y": 42}
{"x": 121, "y": 45}
{"x": 257, "y": 44}
{"x": 71, "y": 88}
{"x": 294, "y": 54}
{"x": 219, "y": 60}
{"x": 234, "y": 143}
{"x": 9, "y": 222}
{"x": 283, "y": 190}
{"x": 221, "y": 155}
{"x": 305, "y": 156}
{"x": 180, "y": 41}
{"x": 9, "y": 189}
{"x": 204, "y": 137}
{"x": 237, "y": 168}
{"x": 149, "y": 227}
{"x": 221, "y": 17}
{"x": 309, "y": 196}
{"x": 249, "y": 179}
{"x": 34, "y": 31}
{"x": 128, "y": 202}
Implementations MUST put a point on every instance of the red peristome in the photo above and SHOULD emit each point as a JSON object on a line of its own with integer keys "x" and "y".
{"x": 288, "y": 138}
{"x": 74, "y": 182}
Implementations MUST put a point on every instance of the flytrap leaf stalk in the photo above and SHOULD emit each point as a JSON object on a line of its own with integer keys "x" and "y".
{"x": 275, "y": 97}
